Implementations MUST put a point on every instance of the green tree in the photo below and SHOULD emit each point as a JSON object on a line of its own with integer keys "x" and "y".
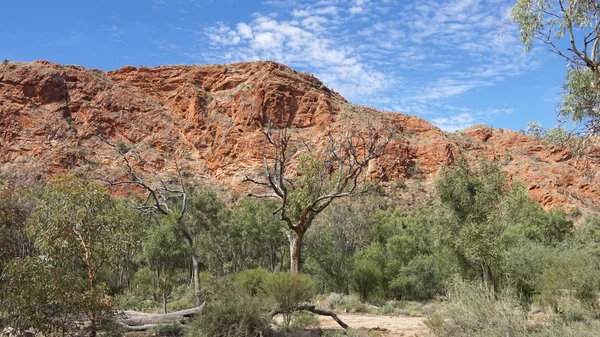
{"x": 247, "y": 236}
{"x": 37, "y": 294}
{"x": 15, "y": 209}
{"x": 80, "y": 227}
{"x": 165, "y": 254}
{"x": 578, "y": 21}
{"x": 477, "y": 206}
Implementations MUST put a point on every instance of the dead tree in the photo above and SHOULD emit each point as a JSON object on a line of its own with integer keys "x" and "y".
{"x": 157, "y": 202}
{"x": 339, "y": 172}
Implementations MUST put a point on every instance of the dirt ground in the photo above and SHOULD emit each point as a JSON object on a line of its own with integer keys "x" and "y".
{"x": 389, "y": 326}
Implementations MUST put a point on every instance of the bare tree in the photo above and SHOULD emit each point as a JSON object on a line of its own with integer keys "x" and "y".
{"x": 157, "y": 201}
{"x": 340, "y": 171}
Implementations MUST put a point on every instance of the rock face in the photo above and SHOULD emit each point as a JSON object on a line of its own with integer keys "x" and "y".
{"x": 210, "y": 119}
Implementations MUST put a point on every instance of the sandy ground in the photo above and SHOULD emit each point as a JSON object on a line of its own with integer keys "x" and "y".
{"x": 388, "y": 325}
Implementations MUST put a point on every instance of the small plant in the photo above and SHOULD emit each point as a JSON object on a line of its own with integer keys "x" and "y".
{"x": 5, "y": 62}
{"x": 365, "y": 279}
{"x": 288, "y": 290}
{"x": 234, "y": 315}
{"x": 169, "y": 330}
{"x": 123, "y": 147}
{"x": 534, "y": 129}
{"x": 474, "y": 310}
{"x": 300, "y": 321}
{"x": 251, "y": 280}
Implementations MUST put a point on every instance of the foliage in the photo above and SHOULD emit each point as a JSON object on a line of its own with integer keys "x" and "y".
{"x": 252, "y": 281}
{"x": 557, "y": 136}
{"x": 550, "y": 21}
{"x": 80, "y": 229}
{"x": 365, "y": 279}
{"x": 534, "y": 129}
{"x": 248, "y": 236}
{"x": 572, "y": 276}
{"x": 233, "y": 315}
{"x": 477, "y": 208}
{"x": 287, "y": 290}
{"x": 164, "y": 252}
{"x": 36, "y": 294}
{"x": 169, "y": 330}
{"x": 473, "y": 310}
{"x": 341, "y": 230}
{"x": 15, "y": 209}
{"x": 300, "y": 320}
{"x": 418, "y": 279}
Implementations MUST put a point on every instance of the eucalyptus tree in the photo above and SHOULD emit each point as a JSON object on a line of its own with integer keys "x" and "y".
{"x": 341, "y": 171}
{"x": 577, "y": 22}
{"x": 78, "y": 227}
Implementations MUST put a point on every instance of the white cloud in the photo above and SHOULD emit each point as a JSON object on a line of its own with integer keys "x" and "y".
{"x": 301, "y": 44}
{"x": 367, "y": 50}
{"x": 455, "y": 122}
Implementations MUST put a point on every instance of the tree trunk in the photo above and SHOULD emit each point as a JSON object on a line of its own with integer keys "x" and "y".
{"x": 196, "y": 276}
{"x": 195, "y": 267}
{"x": 164, "y": 297}
{"x": 295, "y": 252}
{"x": 139, "y": 321}
{"x": 490, "y": 277}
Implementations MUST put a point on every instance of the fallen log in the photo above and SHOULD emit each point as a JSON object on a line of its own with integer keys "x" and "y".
{"x": 141, "y": 321}
{"x": 314, "y": 310}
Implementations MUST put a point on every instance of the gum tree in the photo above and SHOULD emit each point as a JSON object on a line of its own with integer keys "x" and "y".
{"x": 80, "y": 228}
{"x": 341, "y": 171}
{"x": 577, "y": 22}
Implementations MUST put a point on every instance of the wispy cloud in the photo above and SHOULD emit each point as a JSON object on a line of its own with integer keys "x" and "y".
{"x": 409, "y": 56}
{"x": 303, "y": 42}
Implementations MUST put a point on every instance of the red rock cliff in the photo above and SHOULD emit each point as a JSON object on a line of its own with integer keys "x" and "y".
{"x": 211, "y": 117}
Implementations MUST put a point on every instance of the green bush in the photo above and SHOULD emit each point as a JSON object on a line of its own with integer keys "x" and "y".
{"x": 300, "y": 321}
{"x": 237, "y": 315}
{"x": 287, "y": 290}
{"x": 168, "y": 330}
{"x": 417, "y": 280}
{"x": 365, "y": 280}
{"x": 251, "y": 280}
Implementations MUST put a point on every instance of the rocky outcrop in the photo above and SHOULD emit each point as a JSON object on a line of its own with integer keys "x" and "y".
{"x": 210, "y": 119}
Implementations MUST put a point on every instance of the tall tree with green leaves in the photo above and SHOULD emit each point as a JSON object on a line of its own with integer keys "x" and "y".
{"x": 79, "y": 227}
{"x": 165, "y": 253}
{"x": 477, "y": 207}
{"x": 577, "y": 21}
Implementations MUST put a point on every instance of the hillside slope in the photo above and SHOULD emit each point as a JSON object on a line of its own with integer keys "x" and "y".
{"x": 210, "y": 118}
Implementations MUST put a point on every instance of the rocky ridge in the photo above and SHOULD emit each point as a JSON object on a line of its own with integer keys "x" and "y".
{"x": 210, "y": 118}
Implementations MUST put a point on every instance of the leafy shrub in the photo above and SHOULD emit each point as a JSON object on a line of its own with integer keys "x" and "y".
{"x": 111, "y": 328}
{"x": 180, "y": 304}
{"x": 168, "y": 330}
{"x": 237, "y": 315}
{"x": 557, "y": 136}
{"x": 130, "y": 301}
{"x": 417, "y": 280}
{"x": 251, "y": 280}
{"x": 287, "y": 290}
{"x": 579, "y": 329}
{"x": 300, "y": 321}
{"x": 571, "y": 277}
{"x": 365, "y": 279}
{"x": 473, "y": 310}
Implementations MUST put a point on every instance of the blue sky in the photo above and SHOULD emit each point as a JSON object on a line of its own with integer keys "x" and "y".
{"x": 453, "y": 62}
